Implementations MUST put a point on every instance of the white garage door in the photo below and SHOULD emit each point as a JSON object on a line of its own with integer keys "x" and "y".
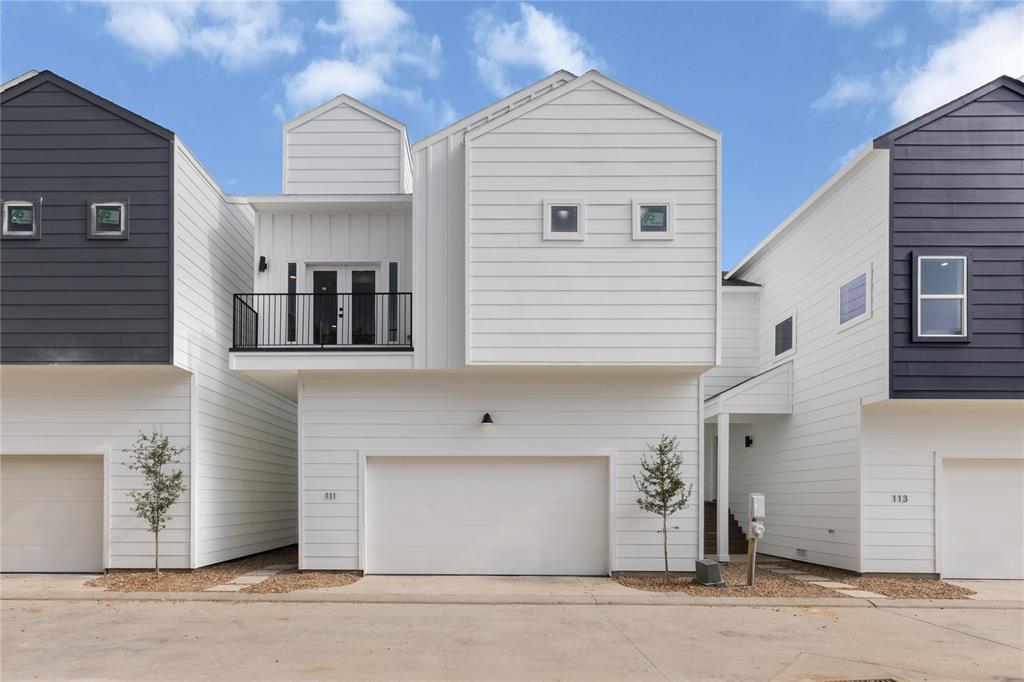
{"x": 51, "y": 513}
{"x": 487, "y": 515}
{"x": 983, "y": 518}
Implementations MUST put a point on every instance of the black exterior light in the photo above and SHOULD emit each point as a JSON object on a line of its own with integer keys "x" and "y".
{"x": 487, "y": 419}
{"x": 263, "y": 264}
{"x": 748, "y": 441}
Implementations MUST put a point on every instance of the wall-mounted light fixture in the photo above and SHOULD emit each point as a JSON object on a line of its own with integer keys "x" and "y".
{"x": 263, "y": 264}
{"x": 487, "y": 419}
{"x": 748, "y": 441}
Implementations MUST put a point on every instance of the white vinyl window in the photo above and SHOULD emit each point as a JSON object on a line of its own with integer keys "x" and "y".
{"x": 653, "y": 220}
{"x": 855, "y": 299}
{"x": 21, "y": 220}
{"x": 565, "y": 220}
{"x": 941, "y": 297}
{"x": 108, "y": 220}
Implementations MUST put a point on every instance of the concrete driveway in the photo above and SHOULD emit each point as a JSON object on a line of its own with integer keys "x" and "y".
{"x": 132, "y": 640}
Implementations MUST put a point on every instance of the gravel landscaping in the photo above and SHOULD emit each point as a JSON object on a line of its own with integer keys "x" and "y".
{"x": 192, "y": 581}
{"x": 291, "y": 580}
{"x": 772, "y": 585}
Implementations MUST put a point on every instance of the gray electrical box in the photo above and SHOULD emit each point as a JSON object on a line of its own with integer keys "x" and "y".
{"x": 709, "y": 573}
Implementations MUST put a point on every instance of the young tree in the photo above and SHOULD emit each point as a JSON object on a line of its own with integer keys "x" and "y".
{"x": 662, "y": 489}
{"x": 150, "y": 454}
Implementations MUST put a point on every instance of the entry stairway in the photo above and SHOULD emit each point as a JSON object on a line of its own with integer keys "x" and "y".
{"x": 737, "y": 541}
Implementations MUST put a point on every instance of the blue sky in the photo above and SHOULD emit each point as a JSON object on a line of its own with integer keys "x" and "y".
{"x": 795, "y": 88}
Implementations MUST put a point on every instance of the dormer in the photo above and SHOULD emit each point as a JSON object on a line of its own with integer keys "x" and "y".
{"x": 346, "y": 147}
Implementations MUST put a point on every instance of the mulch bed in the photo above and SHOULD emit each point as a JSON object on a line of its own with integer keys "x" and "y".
{"x": 291, "y": 580}
{"x": 192, "y": 581}
{"x": 770, "y": 585}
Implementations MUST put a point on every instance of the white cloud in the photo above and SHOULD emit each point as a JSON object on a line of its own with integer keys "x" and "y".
{"x": 854, "y": 13}
{"x": 893, "y": 38}
{"x": 537, "y": 42}
{"x": 235, "y": 34}
{"x": 990, "y": 46}
{"x": 379, "y": 47}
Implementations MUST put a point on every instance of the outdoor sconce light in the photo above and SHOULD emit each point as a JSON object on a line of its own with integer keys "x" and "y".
{"x": 263, "y": 264}
{"x": 748, "y": 441}
{"x": 487, "y": 419}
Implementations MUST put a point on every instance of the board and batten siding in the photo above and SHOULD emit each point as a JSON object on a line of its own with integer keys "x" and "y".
{"x": 609, "y": 299}
{"x": 535, "y": 413}
{"x": 958, "y": 189}
{"x": 904, "y": 441}
{"x": 342, "y": 150}
{"x": 739, "y": 340}
{"x": 808, "y": 463}
{"x": 83, "y": 410}
{"x": 65, "y": 298}
{"x": 245, "y": 437}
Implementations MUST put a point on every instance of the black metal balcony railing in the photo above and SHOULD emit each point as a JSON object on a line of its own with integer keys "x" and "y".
{"x": 322, "y": 322}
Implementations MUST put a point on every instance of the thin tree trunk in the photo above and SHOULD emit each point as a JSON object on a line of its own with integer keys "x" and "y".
{"x": 664, "y": 539}
{"x": 156, "y": 556}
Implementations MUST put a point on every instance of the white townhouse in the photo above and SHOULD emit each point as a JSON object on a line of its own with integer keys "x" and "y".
{"x": 484, "y": 330}
{"x": 872, "y": 378}
{"x": 119, "y": 257}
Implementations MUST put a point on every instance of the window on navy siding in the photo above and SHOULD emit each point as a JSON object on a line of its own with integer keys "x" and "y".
{"x": 784, "y": 336}
{"x": 20, "y": 220}
{"x": 942, "y": 296}
{"x": 293, "y": 281}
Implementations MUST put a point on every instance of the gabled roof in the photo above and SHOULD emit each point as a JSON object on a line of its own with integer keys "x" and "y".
{"x": 594, "y": 76}
{"x": 501, "y": 107}
{"x": 32, "y": 82}
{"x": 348, "y": 101}
{"x": 885, "y": 141}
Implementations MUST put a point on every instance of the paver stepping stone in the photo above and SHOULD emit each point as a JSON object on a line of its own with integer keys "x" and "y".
{"x": 862, "y": 594}
{"x": 784, "y": 571}
{"x": 251, "y": 578}
{"x": 806, "y": 577}
{"x": 834, "y": 585}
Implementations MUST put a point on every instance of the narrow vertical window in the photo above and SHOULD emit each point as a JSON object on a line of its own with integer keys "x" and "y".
{"x": 941, "y": 297}
{"x": 392, "y": 302}
{"x": 293, "y": 280}
{"x": 784, "y": 336}
{"x": 855, "y": 300}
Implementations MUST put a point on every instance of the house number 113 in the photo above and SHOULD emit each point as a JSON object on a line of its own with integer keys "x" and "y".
{"x": 900, "y": 499}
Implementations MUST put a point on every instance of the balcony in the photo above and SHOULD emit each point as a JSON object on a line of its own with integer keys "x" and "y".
{"x": 352, "y": 322}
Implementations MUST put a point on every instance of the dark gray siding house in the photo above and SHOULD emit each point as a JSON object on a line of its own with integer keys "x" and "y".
{"x": 85, "y": 256}
{"x": 957, "y": 248}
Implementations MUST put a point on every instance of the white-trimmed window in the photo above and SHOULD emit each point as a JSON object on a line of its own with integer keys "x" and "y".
{"x": 108, "y": 220}
{"x": 855, "y": 299}
{"x": 784, "y": 333}
{"x": 565, "y": 220}
{"x": 20, "y": 219}
{"x": 653, "y": 220}
{"x": 941, "y": 305}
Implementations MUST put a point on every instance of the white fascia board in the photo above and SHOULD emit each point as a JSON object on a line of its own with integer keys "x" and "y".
{"x": 829, "y": 184}
{"x": 594, "y": 76}
{"x": 300, "y": 361}
{"x": 349, "y": 101}
{"x": 490, "y": 110}
{"x": 19, "y": 79}
{"x": 321, "y": 202}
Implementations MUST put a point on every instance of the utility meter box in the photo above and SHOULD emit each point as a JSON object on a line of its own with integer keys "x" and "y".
{"x": 755, "y": 516}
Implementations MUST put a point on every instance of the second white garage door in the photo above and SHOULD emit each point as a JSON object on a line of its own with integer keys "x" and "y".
{"x": 983, "y": 518}
{"x": 487, "y": 515}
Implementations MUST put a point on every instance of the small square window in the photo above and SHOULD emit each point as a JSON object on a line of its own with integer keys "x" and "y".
{"x": 564, "y": 220}
{"x": 108, "y": 220}
{"x": 652, "y": 220}
{"x": 21, "y": 220}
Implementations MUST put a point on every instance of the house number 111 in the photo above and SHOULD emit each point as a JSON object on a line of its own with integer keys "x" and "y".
{"x": 900, "y": 499}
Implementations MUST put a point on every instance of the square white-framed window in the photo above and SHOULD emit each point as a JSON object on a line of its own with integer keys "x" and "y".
{"x": 784, "y": 336}
{"x": 21, "y": 219}
{"x": 854, "y": 298}
{"x": 565, "y": 220}
{"x": 941, "y": 290}
{"x": 653, "y": 220}
{"x": 108, "y": 220}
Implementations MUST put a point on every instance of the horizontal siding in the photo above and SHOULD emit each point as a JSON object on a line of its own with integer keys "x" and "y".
{"x": 535, "y": 414}
{"x": 62, "y": 150}
{"x": 958, "y": 188}
{"x": 739, "y": 342}
{"x": 246, "y": 435}
{"x": 901, "y": 440}
{"x": 595, "y": 146}
{"x": 75, "y": 410}
{"x": 343, "y": 151}
{"x": 808, "y": 463}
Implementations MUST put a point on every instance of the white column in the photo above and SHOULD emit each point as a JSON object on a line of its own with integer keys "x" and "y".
{"x": 723, "y": 487}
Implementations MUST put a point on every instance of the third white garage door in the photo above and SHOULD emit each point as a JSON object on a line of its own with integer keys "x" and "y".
{"x": 983, "y": 518}
{"x": 487, "y": 515}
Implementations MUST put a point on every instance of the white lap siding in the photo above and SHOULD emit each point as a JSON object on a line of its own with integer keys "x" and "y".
{"x": 535, "y": 414}
{"x": 246, "y": 437}
{"x": 904, "y": 442}
{"x": 68, "y": 410}
{"x": 739, "y": 340}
